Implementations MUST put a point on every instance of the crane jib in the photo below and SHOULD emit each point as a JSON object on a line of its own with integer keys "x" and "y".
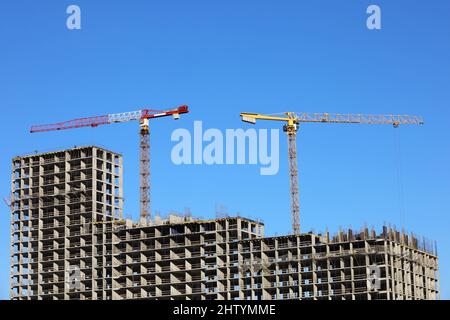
{"x": 125, "y": 116}
{"x": 72, "y": 124}
{"x": 110, "y": 118}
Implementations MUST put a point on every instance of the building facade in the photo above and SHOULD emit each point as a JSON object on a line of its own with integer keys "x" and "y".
{"x": 230, "y": 259}
{"x": 69, "y": 241}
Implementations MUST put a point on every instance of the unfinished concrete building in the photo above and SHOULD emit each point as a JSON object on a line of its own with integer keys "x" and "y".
{"x": 60, "y": 201}
{"x": 229, "y": 258}
{"x": 69, "y": 241}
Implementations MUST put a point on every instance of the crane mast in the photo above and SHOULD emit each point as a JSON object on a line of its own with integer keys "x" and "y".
{"x": 293, "y": 120}
{"x": 293, "y": 182}
{"x": 144, "y": 170}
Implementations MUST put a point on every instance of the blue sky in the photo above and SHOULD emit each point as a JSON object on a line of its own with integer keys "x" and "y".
{"x": 225, "y": 57}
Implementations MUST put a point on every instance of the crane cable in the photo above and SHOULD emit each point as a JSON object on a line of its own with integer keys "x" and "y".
{"x": 399, "y": 177}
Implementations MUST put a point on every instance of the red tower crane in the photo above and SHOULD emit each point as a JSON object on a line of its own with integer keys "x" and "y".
{"x": 143, "y": 116}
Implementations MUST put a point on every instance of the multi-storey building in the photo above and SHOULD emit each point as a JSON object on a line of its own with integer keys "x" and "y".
{"x": 229, "y": 258}
{"x": 69, "y": 241}
{"x": 350, "y": 266}
{"x": 179, "y": 257}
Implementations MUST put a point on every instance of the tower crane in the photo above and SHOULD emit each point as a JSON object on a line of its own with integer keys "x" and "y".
{"x": 143, "y": 116}
{"x": 292, "y": 122}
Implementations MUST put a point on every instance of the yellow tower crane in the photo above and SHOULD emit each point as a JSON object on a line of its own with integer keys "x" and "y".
{"x": 293, "y": 120}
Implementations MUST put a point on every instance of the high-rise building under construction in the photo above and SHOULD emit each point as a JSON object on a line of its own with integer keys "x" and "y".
{"x": 69, "y": 241}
